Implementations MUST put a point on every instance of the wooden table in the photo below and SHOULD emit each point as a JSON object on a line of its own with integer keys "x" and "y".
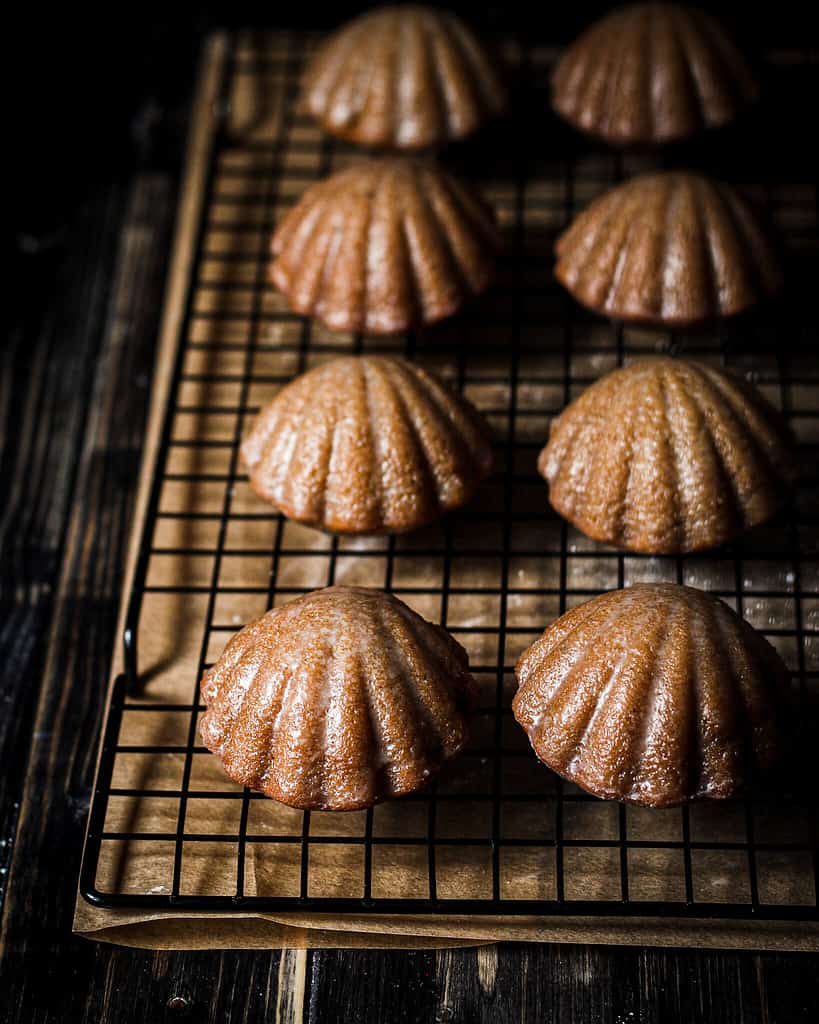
{"x": 73, "y": 399}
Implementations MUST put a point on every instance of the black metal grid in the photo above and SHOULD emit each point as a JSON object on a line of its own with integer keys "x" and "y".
{"x": 501, "y": 834}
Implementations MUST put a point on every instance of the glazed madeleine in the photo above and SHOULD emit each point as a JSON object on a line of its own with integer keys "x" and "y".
{"x": 655, "y": 695}
{"x": 667, "y": 456}
{"x": 384, "y": 246}
{"x": 367, "y": 444}
{"x": 652, "y": 73}
{"x": 670, "y": 249}
{"x": 338, "y": 700}
{"x": 403, "y": 77}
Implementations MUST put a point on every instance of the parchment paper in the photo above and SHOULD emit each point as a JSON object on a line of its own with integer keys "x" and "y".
{"x": 172, "y": 624}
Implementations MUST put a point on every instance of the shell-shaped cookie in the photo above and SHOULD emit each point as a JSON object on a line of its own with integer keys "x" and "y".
{"x": 403, "y": 77}
{"x": 657, "y": 695}
{"x": 668, "y": 456}
{"x": 652, "y": 73}
{"x": 671, "y": 249}
{"x": 383, "y": 246}
{"x": 367, "y": 444}
{"x": 337, "y": 700}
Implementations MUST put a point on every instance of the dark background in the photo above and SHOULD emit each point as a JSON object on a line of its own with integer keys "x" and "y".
{"x": 93, "y": 91}
{"x": 81, "y": 77}
{"x": 98, "y": 101}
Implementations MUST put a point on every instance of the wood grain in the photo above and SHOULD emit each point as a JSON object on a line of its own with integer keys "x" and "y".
{"x": 96, "y": 434}
{"x": 47, "y": 363}
{"x": 291, "y": 986}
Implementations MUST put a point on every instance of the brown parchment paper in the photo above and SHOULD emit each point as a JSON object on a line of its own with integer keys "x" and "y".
{"x": 173, "y": 624}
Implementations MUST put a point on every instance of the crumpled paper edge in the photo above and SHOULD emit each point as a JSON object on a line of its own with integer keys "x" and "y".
{"x": 259, "y": 931}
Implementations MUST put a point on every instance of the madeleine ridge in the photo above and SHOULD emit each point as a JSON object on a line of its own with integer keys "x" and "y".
{"x": 403, "y": 77}
{"x": 655, "y": 695}
{"x": 367, "y": 444}
{"x": 667, "y": 456}
{"x": 384, "y": 246}
{"x": 652, "y": 73}
{"x": 338, "y": 700}
{"x": 670, "y": 249}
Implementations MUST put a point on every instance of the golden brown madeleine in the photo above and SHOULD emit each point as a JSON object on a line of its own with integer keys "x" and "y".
{"x": 384, "y": 246}
{"x": 668, "y": 456}
{"x": 403, "y": 77}
{"x": 367, "y": 444}
{"x": 337, "y": 700}
{"x": 668, "y": 249}
{"x": 655, "y": 695}
{"x": 652, "y": 73}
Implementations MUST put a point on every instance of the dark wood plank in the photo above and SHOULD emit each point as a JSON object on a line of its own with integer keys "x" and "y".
{"x": 555, "y": 983}
{"x": 95, "y": 437}
{"x": 131, "y": 985}
{"x": 46, "y": 367}
{"x": 347, "y": 985}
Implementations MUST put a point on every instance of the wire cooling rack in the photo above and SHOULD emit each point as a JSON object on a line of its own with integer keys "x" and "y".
{"x": 498, "y": 833}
